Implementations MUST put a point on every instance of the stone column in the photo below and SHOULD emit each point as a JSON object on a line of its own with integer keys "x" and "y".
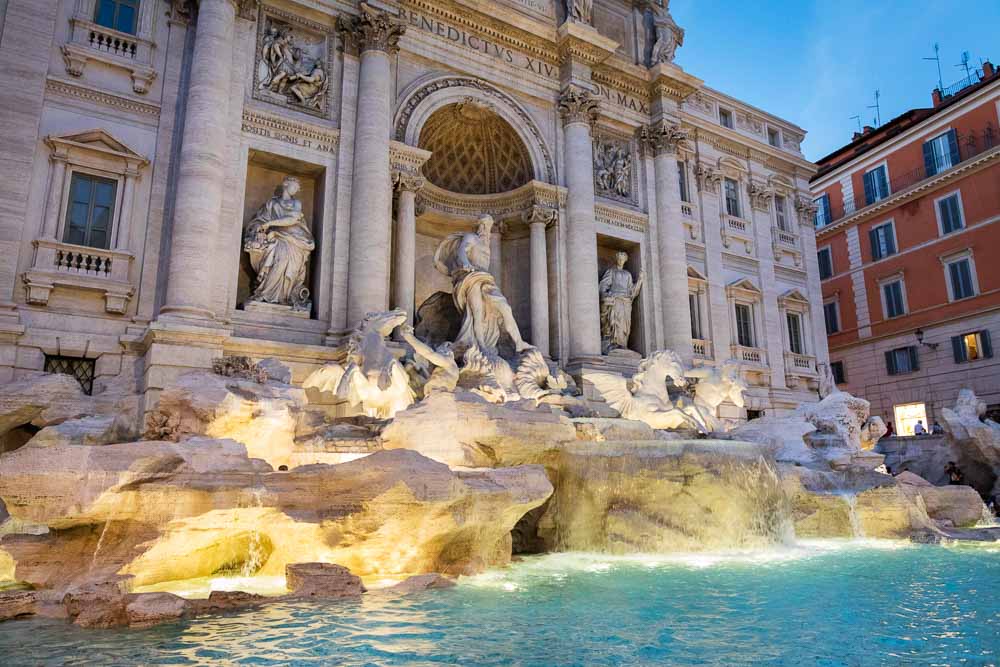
{"x": 375, "y": 34}
{"x": 579, "y": 109}
{"x": 201, "y": 173}
{"x": 123, "y": 241}
{"x": 539, "y": 219}
{"x": 53, "y": 208}
{"x": 404, "y": 274}
{"x": 663, "y": 138}
{"x": 496, "y": 251}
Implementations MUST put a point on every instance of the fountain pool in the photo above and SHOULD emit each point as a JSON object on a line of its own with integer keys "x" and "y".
{"x": 825, "y": 602}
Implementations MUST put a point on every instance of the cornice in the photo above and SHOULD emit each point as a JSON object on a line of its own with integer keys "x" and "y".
{"x": 731, "y": 143}
{"x": 505, "y": 206}
{"x": 64, "y": 88}
{"x": 982, "y": 161}
{"x": 620, "y": 217}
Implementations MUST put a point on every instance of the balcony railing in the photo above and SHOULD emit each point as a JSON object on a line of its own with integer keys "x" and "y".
{"x": 702, "y": 348}
{"x": 970, "y": 145}
{"x": 687, "y": 209}
{"x": 750, "y": 355}
{"x": 72, "y": 267}
{"x": 800, "y": 364}
{"x": 112, "y": 41}
{"x": 789, "y": 239}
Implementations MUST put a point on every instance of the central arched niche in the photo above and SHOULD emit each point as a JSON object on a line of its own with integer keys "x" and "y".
{"x": 474, "y": 150}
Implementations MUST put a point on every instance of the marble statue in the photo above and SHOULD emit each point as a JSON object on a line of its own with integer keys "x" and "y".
{"x": 369, "y": 376}
{"x": 279, "y": 243}
{"x": 444, "y": 376}
{"x": 715, "y": 386}
{"x": 309, "y": 88}
{"x": 275, "y": 51}
{"x": 617, "y": 294}
{"x": 827, "y": 383}
{"x": 465, "y": 258}
{"x": 287, "y": 69}
{"x": 646, "y": 398}
{"x": 668, "y": 35}
{"x": 580, "y": 10}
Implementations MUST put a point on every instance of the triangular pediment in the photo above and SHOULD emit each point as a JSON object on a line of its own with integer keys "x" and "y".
{"x": 695, "y": 274}
{"x": 99, "y": 140}
{"x": 794, "y": 295}
{"x": 743, "y": 285}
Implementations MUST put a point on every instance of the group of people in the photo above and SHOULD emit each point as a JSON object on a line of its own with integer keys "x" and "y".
{"x": 918, "y": 429}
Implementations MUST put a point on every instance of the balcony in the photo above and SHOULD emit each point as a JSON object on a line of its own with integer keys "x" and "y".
{"x": 702, "y": 348}
{"x": 71, "y": 266}
{"x": 970, "y": 146}
{"x": 692, "y": 226}
{"x": 90, "y": 41}
{"x": 753, "y": 364}
{"x": 800, "y": 371}
{"x": 786, "y": 244}
{"x": 737, "y": 230}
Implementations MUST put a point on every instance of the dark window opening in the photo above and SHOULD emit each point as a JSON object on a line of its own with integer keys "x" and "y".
{"x": 78, "y": 367}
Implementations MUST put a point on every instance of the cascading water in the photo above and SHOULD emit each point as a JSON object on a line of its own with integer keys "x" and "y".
{"x": 851, "y": 501}
{"x": 256, "y": 553}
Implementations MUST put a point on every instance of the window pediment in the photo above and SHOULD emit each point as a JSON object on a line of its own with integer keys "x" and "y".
{"x": 96, "y": 143}
{"x": 744, "y": 288}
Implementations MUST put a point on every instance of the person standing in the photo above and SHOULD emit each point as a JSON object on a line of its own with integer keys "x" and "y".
{"x": 919, "y": 428}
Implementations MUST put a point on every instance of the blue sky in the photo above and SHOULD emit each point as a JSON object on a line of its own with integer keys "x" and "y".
{"x": 817, "y": 63}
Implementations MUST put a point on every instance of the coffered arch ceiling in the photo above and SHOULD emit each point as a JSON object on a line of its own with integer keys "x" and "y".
{"x": 474, "y": 150}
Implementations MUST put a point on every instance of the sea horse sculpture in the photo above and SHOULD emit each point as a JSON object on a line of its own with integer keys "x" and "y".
{"x": 369, "y": 376}
{"x": 645, "y": 398}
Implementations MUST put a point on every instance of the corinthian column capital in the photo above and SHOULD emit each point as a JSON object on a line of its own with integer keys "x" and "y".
{"x": 539, "y": 214}
{"x": 407, "y": 182}
{"x": 372, "y": 30}
{"x": 578, "y": 106}
{"x": 662, "y": 138}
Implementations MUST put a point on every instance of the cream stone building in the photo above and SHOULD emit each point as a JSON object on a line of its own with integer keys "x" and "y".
{"x": 142, "y": 139}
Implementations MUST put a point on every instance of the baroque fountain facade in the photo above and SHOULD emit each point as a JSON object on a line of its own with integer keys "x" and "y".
{"x": 410, "y": 323}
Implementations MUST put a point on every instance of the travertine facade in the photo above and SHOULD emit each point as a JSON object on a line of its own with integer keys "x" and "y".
{"x": 137, "y": 156}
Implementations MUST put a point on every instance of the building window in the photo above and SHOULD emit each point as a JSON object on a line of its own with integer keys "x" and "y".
{"x": 941, "y": 153}
{"x": 794, "y": 321}
{"x": 961, "y": 284}
{"x": 80, "y": 368}
{"x": 744, "y": 325}
{"x": 682, "y": 181}
{"x": 837, "y": 370}
{"x": 972, "y": 346}
{"x": 832, "y": 316}
{"x": 732, "y": 197}
{"x": 883, "y": 241}
{"x": 825, "y": 258}
{"x": 949, "y": 211}
{"x": 824, "y": 215}
{"x": 694, "y": 305}
{"x": 894, "y": 303}
{"x": 121, "y": 15}
{"x": 91, "y": 210}
{"x": 780, "y": 216}
{"x": 774, "y": 137}
{"x": 754, "y": 414}
{"x": 726, "y": 118}
{"x": 902, "y": 360}
{"x": 876, "y": 184}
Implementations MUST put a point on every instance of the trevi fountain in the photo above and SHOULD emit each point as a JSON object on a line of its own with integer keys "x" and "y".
{"x": 498, "y": 418}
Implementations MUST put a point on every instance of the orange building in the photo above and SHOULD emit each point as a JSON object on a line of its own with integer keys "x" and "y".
{"x": 908, "y": 242}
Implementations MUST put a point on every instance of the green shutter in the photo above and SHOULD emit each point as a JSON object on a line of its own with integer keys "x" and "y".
{"x": 890, "y": 362}
{"x": 958, "y": 348}
{"x": 984, "y": 336}
{"x": 914, "y": 358}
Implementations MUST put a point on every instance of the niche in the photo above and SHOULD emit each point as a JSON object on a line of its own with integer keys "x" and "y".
{"x": 607, "y": 249}
{"x": 284, "y": 296}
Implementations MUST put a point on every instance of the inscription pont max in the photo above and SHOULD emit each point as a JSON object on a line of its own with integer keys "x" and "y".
{"x": 486, "y": 46}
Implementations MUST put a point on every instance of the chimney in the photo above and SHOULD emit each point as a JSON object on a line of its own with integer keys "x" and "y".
{"x": 868, "y": 129}
{"x": 857, "y": 135}
{"x": 988, "y": 69}
{"x": 936, "y": 97}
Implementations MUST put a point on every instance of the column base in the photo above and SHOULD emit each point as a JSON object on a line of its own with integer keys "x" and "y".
{"x": 172, "y": 347}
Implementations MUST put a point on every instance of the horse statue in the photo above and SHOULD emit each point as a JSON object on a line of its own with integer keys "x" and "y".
{"x": 645, "y": 397}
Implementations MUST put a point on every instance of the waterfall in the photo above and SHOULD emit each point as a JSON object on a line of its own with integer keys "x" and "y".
{"x": 100, "y": 541}
{"x": 256, "y": 552}
{"x": 851, "y": 501}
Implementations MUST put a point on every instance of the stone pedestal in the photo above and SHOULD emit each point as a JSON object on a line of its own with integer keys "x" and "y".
{"x": 274, "y": 311}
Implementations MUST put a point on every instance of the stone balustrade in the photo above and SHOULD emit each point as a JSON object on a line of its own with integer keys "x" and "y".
{"x": 79, "y": 267}
{"x": 737, "y": 229}
{"x": 702, "y": 348}
{"x": 749, "y": 355}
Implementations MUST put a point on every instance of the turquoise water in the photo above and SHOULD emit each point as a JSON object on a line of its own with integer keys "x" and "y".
{"x": 822, "y": 603}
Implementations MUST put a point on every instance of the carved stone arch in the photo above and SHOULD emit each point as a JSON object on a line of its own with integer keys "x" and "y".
{"x": 732, "y": 167}
{"x": 437, "y": 91}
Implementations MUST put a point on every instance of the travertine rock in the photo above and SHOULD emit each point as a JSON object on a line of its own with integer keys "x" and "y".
{"x": 99, "y": 604}
{"x": 144, "y": 610}
{"x": 100, "y": 430}
{"x": 322, "y": 580}
{"x": 601, "y": 430}
{"x": 261, "y": 416}
{"x": 42, "y": 401}
{"x": 276, "y": 370}
{"x": 422, "y": 582}
{"x": 959, "y": 505}
{"x": 17, "y": 603}
{"x": 462, "y": 429}
{"x": 159, "y": 511}
{"x": 977, "y": 441}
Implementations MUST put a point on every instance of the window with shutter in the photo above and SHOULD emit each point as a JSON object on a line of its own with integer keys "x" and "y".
{"x": 876, "y": 184}
{"x": 839, "y": 376}
{"x": 825, "y": 259}
{"x": 883, "y": 241}
{"x": 960, "y": 277}
{"x": 832, "y": 319}
{"x": 950, "y": 213}
{"x": 972, "y": 346}
{"x": 902, "y": 360}
{"x": 893, "y": 293}
{"x": 938, "y": 154}
{"x": 824, "y": 216}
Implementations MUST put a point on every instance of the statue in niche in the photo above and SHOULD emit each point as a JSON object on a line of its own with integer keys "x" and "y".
{"x": 618, "y": 291}
{"x": 580, "y": 10}
{"x": 465, "y": 258}
{"x": 668, "y": 35}
{"x": 613, "y": 169}
{"x": 279, "y": 243}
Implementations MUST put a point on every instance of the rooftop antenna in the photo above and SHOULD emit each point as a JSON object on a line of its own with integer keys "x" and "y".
{"x": 858, "y": 119}
{"x": 878, "y": 110}
{"x": 965, "y": 64}
{"x": 937, "y": 59}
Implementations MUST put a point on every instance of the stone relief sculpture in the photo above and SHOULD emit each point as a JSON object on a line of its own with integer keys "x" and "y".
{"x": 668, "y": 36}
{"x": 279, "y": 243}
{"x": 292, "y": 70}
{"x": 613, "y": 169}
{"x": 369, "y": 376}
{"x": 465, "y": 258}
{"x": 645, "y": 397}
{"x": 580, "y": 10}
{"x": 618, "y": 291}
